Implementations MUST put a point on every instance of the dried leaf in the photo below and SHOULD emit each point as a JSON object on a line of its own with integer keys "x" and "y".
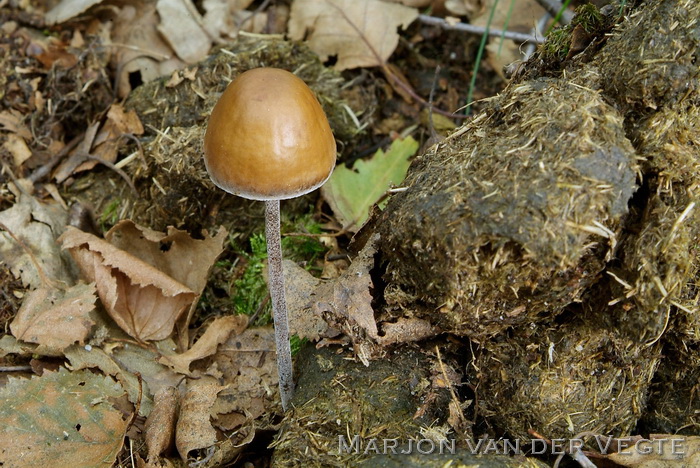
{"x": 180, "y": 25}
{"x": 194, "y": 429}
{"x": 10, "y": 345}
{"x": 503, "y": 52}
{"x": 361, "y": 33}
{"x": 659, "y": 451}
{"x": 466, "y": 7}
{"x": 412, "y": 3}
{"x": 142, "y": 300}
{"x": 92, "y": 357}
{"x": 54, "y": 317}
{"x": 344, "y": 305}
{"x": 300, "y": 290}
{"x": 248, "y": 367}
{"x": 224, "y": 18}
{"x": 352, "y": 192}
{"x": 176, "y": 253}
{"x": 18, "y": 148}
{"x": 217, "y": 332}
{"x": 160, "y": 425}
{"x": 108, "y": 139}
{"x": 60, "y": 419}
{"x": 67, "y": 9}
{"x": 142, "y": 48}
{"x": 133, "y": 359}
{"x": 37, "y": 225}
{"x": 12, "y": 121}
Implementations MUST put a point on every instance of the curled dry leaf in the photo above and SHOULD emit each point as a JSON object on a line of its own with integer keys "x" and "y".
{"x": 225, "y": 18}
{"x": 176, "y": 253}
{"x": 361, "y": 33}
{"x": 323, "y": 309}
{"x": 160, "y": 425}
{"x": 67, "y": 9}
{"x": 54, "y": 317}
{"x": 142, "y": 300}
{"x": 217, "y": 332}
{"x": 17, "y": 147}
{"x": 145, "y": 279}
{"x": 194, "y": 429}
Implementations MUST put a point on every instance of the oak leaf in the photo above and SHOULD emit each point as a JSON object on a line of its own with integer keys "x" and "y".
{"x": 361, "y": 33}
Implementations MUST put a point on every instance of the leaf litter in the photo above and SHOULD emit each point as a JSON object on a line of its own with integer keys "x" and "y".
{"x": 136, "y": 289}
{"x": 61, "y": 419}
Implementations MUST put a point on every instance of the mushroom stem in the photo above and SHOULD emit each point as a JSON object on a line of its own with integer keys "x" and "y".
{"x": 279, "y": 303}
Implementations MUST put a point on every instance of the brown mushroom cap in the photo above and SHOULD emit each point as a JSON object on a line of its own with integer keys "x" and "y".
{"x": 268, "y": 138}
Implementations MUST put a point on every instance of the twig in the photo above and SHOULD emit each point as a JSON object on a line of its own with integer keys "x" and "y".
{"x": 15, "y": 368}
{"x": 44, "y": 170}
{"x": 553, "y": 7}
{"x": 470, "y": 28}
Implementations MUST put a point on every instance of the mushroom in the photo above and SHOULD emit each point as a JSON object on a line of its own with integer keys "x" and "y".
{"x": 268, "y": 139}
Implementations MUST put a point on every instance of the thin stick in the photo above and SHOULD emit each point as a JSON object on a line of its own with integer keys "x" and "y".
{"x": 479, "y": 30}
{"x": 279, "y": 304}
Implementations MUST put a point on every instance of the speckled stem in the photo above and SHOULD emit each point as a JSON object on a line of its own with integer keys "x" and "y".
{"x": 279, "y": 304}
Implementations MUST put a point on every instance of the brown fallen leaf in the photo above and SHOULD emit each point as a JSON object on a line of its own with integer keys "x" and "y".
{"x": 659, "y": 451}
{"x": 54, "y": 317}
{"x": 60, "y": 419}
{"x": 180, "y": 26}
{"x": 138, "y": 392}
{"x": 110, "y": 136}
{"x": 160, "y": 425}
{"x": 17, "y": 147}
{"x": 226, "y": 18}
{"x": 141, "y": 48}
{"x": 142, "y": 300}
{"x": 361, "y": 33}
{"x": 501, "y": 52}
{"x": 67, "y": 9}
{"x": 248, "y": 367}
{"x": 177, "y": 254}
{"x": 217, "y": 332}
{"x": 301, "y": 291}
{"x": 194, "y": 429}
{"x": 36, "y": 225}
{"x": 323, "y": 309}
{"x": 13, "y": 121}
{"x": 344, "y": 304}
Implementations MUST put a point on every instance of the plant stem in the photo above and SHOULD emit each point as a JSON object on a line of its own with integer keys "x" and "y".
{"x": 279, "y": 304}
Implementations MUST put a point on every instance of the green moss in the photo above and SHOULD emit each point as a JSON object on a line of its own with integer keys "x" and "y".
{"x": 556, "y": 48}
{"x": 250, "y": 289}
{"x": 296, "y": 343}
{"x": 588, "y": 17}
{"x": 110, "y": 215}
